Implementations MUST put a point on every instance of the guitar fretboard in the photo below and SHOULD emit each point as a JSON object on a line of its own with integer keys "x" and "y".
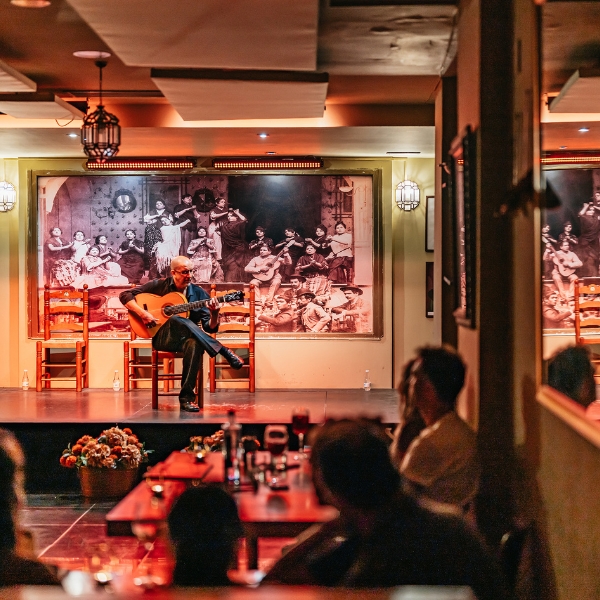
{"x": 180, "y": 308}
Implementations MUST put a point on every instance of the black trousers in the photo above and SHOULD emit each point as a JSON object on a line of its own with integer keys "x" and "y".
{"x": 182, "y": 335}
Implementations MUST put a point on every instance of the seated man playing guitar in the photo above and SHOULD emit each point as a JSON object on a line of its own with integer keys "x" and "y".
{"x": 173, "y": 333}
{"x": 265, "y": 269}
{"x": 566, "y": 263}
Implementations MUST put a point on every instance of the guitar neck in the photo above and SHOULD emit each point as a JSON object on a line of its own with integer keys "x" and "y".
{"x": 176, "y": 309}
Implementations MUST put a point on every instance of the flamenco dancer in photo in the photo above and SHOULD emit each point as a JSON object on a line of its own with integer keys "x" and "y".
{"x": 179, "y": 334}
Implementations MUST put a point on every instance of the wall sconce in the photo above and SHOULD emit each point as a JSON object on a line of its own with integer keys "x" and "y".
{"x": 8, "y": 196}
{"x": 408, "y": 195}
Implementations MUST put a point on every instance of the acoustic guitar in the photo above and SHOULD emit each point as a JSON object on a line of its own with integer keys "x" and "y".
{"x": 270, "y": 265}
{"x": 563, "y": 269}
{"x": 164, "y": 307}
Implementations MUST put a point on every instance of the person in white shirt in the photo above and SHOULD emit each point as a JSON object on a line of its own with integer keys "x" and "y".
{"x": 441, "y": 465}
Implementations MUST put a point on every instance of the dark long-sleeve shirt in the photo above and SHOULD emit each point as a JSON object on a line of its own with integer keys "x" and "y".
{"x": 162, "y": 287}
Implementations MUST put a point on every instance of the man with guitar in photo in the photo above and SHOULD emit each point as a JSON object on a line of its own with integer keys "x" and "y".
{"x": 566, "y": 263}
{"x": 169, "y": 310}
{"x": 264, "y": 268}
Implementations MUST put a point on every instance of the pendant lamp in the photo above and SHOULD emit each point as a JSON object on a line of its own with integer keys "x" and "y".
{"x": 100, "y": 132}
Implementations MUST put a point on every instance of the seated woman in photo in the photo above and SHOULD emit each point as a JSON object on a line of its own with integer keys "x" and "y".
{"x": 204, "y": 528}
{"x": 107, "y": 252}
{"x": 94, "y": 272}
{"x": 79, "y": 247}
{"x": 15, "y": 569}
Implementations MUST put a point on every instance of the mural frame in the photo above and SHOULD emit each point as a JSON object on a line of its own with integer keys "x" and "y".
{"x": 463, "y": 181}
{"x": 35, "y": 242}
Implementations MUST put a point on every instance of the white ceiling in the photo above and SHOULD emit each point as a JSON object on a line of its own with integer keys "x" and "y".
{"x": 230, "y": 34}
{"x": 219, "y": 99}
{"x": 13, "y": 81}
{"x": 367, "y": 115}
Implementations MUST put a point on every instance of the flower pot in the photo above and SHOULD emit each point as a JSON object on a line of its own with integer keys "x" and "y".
{"x": 106, "y": 483}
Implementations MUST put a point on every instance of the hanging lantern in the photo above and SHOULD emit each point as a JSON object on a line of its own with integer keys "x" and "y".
{"x": 408, "y": 195}
{"x": 8, "y": 196}
{"x": 100, "y": 132}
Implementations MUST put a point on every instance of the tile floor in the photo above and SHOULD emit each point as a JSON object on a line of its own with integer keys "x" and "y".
{"x": 70, "y": 533}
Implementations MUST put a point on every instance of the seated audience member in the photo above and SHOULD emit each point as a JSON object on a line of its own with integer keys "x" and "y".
{"x": 382, "y": 537}
{"x": 204, "y": 527}
{"x": 441, "y": 464}
{"x": 411, "y": 422}
{"x": 570, "y": 371}
{"x": 15, "y": 569}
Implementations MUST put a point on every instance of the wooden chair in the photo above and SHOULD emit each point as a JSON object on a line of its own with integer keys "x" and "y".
{"x": 66, "y": 321}
{"x": 136, "y": 361}
{"x": 237, "y": 330}
{"x": 587, "y": 314}
{"x": 168, "y": 375}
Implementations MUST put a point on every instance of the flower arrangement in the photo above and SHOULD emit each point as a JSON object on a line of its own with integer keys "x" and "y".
{"x": 210, "y": 443}
{"x": 114, "y": 448}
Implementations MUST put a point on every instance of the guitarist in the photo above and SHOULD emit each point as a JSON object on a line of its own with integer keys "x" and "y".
{"x": 566, "y": 263}
{"x": 179, "y": 334}
{"x": 265, "y": 263}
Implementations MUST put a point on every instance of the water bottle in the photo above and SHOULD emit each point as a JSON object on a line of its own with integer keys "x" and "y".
{"x": 367, "y": 383}
{"x": 231, "y": 441}
{"x": 25, "y": 381}
{"x": 116, "y": 382}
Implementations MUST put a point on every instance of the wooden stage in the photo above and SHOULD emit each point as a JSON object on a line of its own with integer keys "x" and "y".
{"x": 46, "y": 422}
{"x": 264, "y": 406}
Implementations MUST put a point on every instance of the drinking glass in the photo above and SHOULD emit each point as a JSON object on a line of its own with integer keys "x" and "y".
{"x": 276, "y": 439}
{"x": 300, "y": 423}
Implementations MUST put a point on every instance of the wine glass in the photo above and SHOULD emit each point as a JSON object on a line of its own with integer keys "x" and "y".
{"x": 276, "y": 439}
{"x": 300, "y": 423}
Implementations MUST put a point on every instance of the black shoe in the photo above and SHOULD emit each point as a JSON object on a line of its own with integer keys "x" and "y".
{"x": 189, "y": 407}
{"x": 235, "y": 362}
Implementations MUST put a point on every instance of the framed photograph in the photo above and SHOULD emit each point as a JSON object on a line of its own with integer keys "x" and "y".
{"x": 570, "y": 242}
{"x": 463, "y": 154}
{"x": 429, "y": 223}
{"x": 429, "y": 290}
{"x": 301, "y": 236}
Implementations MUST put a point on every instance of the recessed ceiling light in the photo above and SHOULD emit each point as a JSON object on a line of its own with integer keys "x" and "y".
{"x": 92, "y": 54}
{"x": 263, "y": 135}
{"x": 584, "y": 129}
{"x": 562, "y": 147}
{"x": 270, "y": 153}
{"x": 30, "y": 3}
{"x": 73, "y": 135}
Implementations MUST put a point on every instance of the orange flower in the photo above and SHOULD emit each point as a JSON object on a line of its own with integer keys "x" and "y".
{"x": 117, "y": 451}
{"x": 76, "y": 449}
{"x": 70, "y": 461}
{"x": 127, "y": 431}
{"x": 84, "y": 440}
{"x": 113, "y": 457}
{"x": 132, "y": 439}
{"x": 63, "y": 461}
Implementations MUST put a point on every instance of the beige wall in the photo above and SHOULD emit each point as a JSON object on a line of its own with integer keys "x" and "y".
{"x": 280, "y": 363}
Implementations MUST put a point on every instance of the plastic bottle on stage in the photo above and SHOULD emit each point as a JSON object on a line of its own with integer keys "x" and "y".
{"x": 367, "y": 383}
{"x": 231, "y": 443}
{"x": 25, "y": 381}
{"x": 116, "y": 382}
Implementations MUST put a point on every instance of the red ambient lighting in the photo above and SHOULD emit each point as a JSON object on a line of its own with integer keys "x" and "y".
{"x": 573, "y": 158}
{"x": 308, "y": 162}
{"x": 142, "y": 164}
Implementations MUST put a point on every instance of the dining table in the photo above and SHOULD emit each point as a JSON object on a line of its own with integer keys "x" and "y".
{"x": 284, "y": 510}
